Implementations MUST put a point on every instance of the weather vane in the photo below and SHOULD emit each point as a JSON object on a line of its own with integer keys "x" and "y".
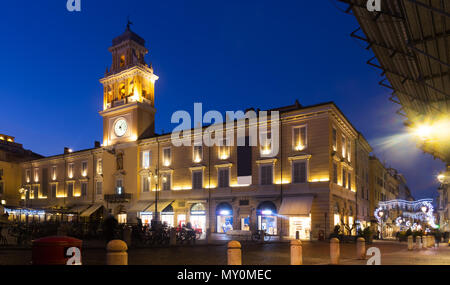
{"x": 129, "y": 22}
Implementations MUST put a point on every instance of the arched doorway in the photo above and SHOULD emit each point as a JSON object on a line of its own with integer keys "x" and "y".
{"x": 267, "y": 217}
{"x": 198, "y": 217}
{"x": 224, "y": 213}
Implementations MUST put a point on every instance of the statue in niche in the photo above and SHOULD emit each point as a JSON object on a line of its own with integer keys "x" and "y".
{"x": 119, "y": 161}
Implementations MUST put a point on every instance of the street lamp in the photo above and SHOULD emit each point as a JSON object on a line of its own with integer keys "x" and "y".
{"x": 381, "y": 214}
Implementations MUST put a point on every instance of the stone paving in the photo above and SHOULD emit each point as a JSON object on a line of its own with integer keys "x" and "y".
{"x": 276, "y": 253}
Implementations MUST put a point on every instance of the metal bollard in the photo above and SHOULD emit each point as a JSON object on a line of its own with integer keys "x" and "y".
{"x": 410, "y": 243}
{"x": 234, "y": 253}
{"x": 263, "y": 233}
{"x": 360, "y": 248}
{"x": 334, "y": 251}
{"x": 419, "y": 242}
{"x": 296, "y": 252}
{"x": 116, "y": 253}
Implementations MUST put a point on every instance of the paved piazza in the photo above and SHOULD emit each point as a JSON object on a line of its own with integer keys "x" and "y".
{"x": 277, "y": 253}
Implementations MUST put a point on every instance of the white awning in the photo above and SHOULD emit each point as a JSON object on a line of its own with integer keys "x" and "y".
{"x": 296, "y": 206}
{"x": 91, "y": 210}
{"x": 163, "y": 204}
{"x": 141, "y": 206}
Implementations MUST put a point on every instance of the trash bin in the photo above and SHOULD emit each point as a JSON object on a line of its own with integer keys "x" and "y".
{"x": 56, "y": 250}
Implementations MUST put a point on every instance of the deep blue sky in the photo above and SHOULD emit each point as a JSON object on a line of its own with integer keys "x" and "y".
{"x": 229, "y": 55}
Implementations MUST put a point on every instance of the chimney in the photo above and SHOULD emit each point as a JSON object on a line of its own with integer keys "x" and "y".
{"x": 97, "y": 144}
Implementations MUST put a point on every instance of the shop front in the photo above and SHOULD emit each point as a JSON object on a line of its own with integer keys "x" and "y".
{"x": 167, "y": 216}
{"x": 197, "y": 217}
{"x": 267, "y": 217}
{"x": 298, "y": 211}
{"x": 224, "y": 214}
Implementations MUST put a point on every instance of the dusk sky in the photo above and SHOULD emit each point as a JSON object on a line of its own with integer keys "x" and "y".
{"x": 229, "y": 55}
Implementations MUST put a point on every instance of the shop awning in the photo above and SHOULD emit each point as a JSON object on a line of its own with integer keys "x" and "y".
{"x": 88, "y": 212}
{"x": 162, "y": 205}
{"x": 141, "y": 206}
{"x": 78, "y": 209}
{"x": 296, "y": 206}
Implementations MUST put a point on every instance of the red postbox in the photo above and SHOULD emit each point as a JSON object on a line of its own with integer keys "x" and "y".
{"x": 57, "y": 250}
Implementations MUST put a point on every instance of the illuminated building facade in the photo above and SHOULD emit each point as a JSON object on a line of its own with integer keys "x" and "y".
{"x": 308, "y": 187}
{"x": 11, "y": 155}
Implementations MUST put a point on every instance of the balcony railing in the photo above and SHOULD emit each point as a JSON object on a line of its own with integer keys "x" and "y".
{"x": 118, "y": 198}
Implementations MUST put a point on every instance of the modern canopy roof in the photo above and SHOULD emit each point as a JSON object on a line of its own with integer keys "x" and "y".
{"x": 411, "y": 43}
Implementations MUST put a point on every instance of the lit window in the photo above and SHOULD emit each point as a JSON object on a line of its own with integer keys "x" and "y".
{"x": 84, "y": 166}
{"x": 266, "y": 144}
{"x": 28, "y": 175}
{"x": 119, "y": 186}
{"x": 70, "y": 170}
{"x": 343, "y": 144}
{"x": 299, "y": 138}
{"x": 197, "y": 153}
{"x": 122, "y": 60}
{"x": 167, "y": 156}
{"x": 54, "y": 172}
{"x": 122, "y": 218}
{"x": 224, "y": 150}
{"x": 146, "y": 184}
{"x": 349, "y": 150}
{"x": 146, "y": 159}
{"x": 36, "y": 175}
{"x": 99, "y": 166}
{"x": 334, "y": 139}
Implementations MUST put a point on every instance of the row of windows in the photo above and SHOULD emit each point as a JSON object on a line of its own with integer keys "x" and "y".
{"x": 70, "y": 171}
{"x": 299, "y": 175}
{"x": 34, "y": 192}
{"x": 346, "y": 145}
{"x": 299, "y": 142}
{"x": 346, "y": 177}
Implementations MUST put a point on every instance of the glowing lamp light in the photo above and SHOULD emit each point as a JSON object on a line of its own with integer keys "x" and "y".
{"x": 3, "y": 202}
{"x": 267, "y": 212}
{"x": 166, "y": 162}
{"x": 224, "y": 213}
{"x": 380, "y": 214}
{"x": 423, "y": 131}
{"x": 197, "y": 159}
{"x": 299, "y": 147}
{"x": 424, "y": 209}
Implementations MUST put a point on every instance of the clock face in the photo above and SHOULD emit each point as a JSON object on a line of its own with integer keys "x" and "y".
{"x": 120, "y": 127}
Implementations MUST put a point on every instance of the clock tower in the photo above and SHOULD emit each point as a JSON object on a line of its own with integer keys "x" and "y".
{"x": 128, "y": 91}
